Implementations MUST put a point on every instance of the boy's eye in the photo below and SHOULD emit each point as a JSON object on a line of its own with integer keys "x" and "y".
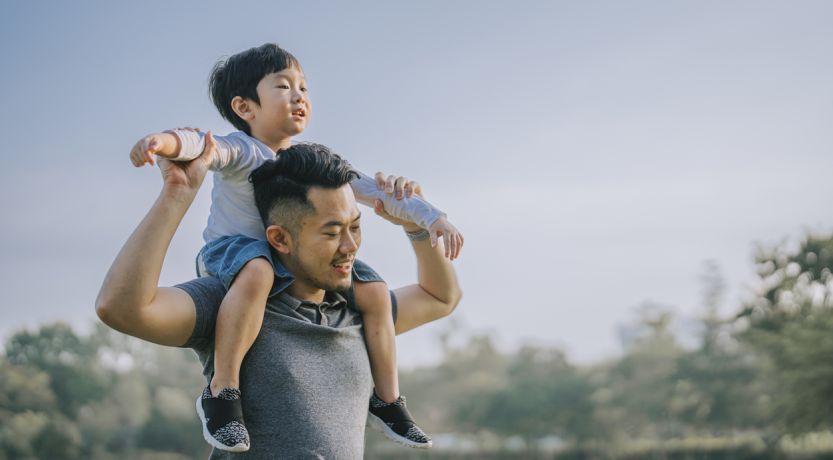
{"x": 304, "y": 89}
{"x": 283, "y": 86}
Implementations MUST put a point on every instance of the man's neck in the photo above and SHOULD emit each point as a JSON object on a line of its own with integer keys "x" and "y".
{"x": 301, "y": 291}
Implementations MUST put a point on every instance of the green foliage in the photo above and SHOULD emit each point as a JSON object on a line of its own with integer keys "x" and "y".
{"x": 67, "y": 359}
{"x": 104, "y": 396}
{"x": 790, "y": 323}
{"x": 542, "y": 395}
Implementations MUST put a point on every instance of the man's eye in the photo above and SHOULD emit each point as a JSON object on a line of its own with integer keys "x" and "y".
{"x": 331, "y": 235}
{"x": 355, "y": 228}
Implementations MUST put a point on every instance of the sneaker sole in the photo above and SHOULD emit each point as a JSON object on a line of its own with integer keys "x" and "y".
{"x": 210, "y": 439}
{"x": 379, "y": 425}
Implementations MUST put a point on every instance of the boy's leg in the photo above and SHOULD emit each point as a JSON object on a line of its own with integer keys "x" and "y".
{"x": 373, "y": 302}
{"x": 238, "y": 323}
{"x": 239, "y": 320}
{"x": 387, "y": 407}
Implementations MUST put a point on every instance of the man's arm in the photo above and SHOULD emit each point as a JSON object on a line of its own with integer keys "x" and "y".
{"x": 437, "y": 291}
{"x": 129, "y": 300}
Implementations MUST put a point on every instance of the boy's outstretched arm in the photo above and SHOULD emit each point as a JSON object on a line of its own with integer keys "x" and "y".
{"x": 129, "y": 300}
{"x": 408, "y": 207}
{"x": 437, "y": 291}
{"x": 185, "y": 144}
{"x": 166, "y": 145}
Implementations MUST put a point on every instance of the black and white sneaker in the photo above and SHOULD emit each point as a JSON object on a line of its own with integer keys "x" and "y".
{"x": 395, "y": 422}
{"x": 222, "y": 420}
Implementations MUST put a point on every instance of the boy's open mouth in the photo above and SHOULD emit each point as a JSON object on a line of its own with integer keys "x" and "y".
{"x": 299, "y": 113}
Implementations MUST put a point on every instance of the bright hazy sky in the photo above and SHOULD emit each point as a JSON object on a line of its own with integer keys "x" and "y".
{"x": 594, "y": 154}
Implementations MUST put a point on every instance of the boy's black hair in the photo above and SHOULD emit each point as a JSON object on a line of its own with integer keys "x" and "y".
{"x": 281, "y": 185}
{"x": 239, "y": 75}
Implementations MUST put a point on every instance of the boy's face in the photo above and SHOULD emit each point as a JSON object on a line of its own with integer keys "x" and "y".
{"x": 284, "y": 107}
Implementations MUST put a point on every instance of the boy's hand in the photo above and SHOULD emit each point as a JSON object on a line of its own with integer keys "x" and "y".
{"x": 400, "y": 187}
{"x": 165, "y": 145}
{"x": 441, "y": 227}
{"x": 452, "y": 237}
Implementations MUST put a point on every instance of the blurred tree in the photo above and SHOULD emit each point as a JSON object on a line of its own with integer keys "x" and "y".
{"x": 639, "y": 386}
{"x": 790, "y": 323}
{"x": 70, "y": 362}
{"x": 718, "y": 386}
{"x": 542, "y": 395}
{"x": 471, "y": 368}
{"x": 103, "y": 396}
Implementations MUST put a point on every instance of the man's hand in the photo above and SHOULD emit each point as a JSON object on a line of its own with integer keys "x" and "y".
{"x": 400, "y": 187}
{"x": 189, "y": 174}
{"x": 441, "y": 227}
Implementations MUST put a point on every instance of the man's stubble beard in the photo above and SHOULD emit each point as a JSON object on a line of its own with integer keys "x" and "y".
{"x": 314, "y": 280}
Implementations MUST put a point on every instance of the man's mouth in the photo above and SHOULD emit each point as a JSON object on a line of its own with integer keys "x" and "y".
{"x": 344, "y": 266}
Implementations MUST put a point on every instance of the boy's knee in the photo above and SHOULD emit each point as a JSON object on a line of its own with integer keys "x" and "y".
{"x": 256, "y": 271}
{"x": 372, "y": 298}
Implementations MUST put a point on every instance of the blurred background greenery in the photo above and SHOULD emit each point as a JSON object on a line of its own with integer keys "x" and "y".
{"x": 755, "y": 384}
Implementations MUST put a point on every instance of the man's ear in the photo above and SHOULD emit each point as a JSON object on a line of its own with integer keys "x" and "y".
{"x": 279, "y": 238}
{"x": 243, "y": 107}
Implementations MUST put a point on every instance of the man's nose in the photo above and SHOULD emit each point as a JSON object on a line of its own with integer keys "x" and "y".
{"x": 348, "y": 243}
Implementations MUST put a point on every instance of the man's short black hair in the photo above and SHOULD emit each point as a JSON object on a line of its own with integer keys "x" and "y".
{"x": 281, "y": 185}
{"x": 239, "y": 75}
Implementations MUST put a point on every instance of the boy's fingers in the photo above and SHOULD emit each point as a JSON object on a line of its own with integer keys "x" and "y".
{"x": 452, "y": 246}
{"x": 433, "y": 239}
{"x": 389, "y": 184}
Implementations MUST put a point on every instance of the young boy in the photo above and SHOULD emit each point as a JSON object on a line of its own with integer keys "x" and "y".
{"x": 263, "y": 93}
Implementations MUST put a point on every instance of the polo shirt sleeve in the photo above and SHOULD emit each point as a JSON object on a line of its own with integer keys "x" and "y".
{"x": 207, "y": 294}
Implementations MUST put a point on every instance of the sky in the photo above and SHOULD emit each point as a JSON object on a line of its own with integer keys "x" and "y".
{"x": 594, "y": 154}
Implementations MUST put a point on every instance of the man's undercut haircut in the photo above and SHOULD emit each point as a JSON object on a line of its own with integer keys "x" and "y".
{"x": 281, "y": 185}
{"x": 239, "y": 75}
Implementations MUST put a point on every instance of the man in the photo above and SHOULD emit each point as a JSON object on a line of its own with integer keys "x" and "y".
{"x": 307, "y": 377}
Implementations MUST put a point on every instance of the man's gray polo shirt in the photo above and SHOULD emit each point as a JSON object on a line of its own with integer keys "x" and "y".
{"x": 306, "y": 380}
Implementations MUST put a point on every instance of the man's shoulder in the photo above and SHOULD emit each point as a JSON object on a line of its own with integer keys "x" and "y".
{"x": 203, "y": 287}
{"x": 207, "y": 294}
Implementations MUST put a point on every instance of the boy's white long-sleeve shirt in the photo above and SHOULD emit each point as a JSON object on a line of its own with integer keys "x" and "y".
{"x": 233, "y": 210}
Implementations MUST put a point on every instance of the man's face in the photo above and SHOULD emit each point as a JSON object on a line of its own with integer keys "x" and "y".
{"x": 284, "y": 107}
{"x": 325, "y": 243}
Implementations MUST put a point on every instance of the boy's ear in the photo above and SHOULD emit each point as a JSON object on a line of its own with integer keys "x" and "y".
{"x": 242, "y": 107}
{"x": 279, "y": 238}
